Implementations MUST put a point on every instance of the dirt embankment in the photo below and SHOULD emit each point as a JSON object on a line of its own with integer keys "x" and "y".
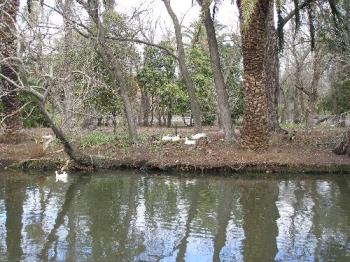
{"x": 296, "y": 152}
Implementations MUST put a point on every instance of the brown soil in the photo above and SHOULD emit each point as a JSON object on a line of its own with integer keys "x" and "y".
{"x": 304, "y": 152}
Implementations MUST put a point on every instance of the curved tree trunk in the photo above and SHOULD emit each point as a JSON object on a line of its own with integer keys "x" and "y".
{"x": 221, "y": 92}
{"x": 254, "y": 42}
{"x": 8, "y": 50}
{"x": 195, "y": 109}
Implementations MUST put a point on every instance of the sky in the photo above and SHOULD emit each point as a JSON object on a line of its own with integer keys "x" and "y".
{"x": 227, "y": 13}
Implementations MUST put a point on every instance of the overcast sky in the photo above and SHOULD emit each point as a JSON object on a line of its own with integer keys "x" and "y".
{"x": 227, "y": 13}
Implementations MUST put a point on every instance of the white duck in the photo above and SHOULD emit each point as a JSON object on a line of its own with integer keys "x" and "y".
{"x": 190, "y": 142}
{"x": 199, "y": 136}
{"x": 61, "y": 176}
{"x": 169, "y": 138}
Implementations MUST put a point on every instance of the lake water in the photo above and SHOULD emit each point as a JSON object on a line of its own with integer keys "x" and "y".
{"x": 126, "y": 216}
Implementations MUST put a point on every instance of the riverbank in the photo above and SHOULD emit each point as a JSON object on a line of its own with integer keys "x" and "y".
{"x": 295, "y": 152}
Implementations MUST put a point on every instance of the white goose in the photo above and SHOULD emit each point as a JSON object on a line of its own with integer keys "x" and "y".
{"x": 199, "y": 136}
{"x": 169, "y": 138}
{"x": 190, "y": 142}
{"x": 61, "y": 176}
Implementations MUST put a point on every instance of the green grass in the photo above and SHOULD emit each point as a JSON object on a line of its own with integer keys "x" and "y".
{"x": 97, "y": 139}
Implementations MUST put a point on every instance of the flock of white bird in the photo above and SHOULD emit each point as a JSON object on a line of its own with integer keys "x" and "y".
{"x": 187, "y": 141}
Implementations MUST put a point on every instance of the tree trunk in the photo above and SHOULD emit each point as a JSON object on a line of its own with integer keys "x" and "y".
{"x": 196, "y": 112}
{"x": 115, "y": 70}
{"x": 67, "y": 84}
{"x": 254, "y": 42}
{"x": 145, "y": 107}
{"x": 8, "y": 50}
{"x": 169, "y": 117}
{"x": 221, "y": 92}
{"x": 272, "y": 71}
{"x": 313, "y": 93}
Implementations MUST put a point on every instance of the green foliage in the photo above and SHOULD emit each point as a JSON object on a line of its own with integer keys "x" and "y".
{"x": 337, "y": 100}
{"x": 157, "y": 77}
{"x": 201, "y": 72}
{"x": 247, "y": 7}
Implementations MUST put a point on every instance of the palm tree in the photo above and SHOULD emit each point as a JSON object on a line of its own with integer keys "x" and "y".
{"x": 8, "y": 50}
{"x": 254, "y": 39}
{"x": 254, "y": 17}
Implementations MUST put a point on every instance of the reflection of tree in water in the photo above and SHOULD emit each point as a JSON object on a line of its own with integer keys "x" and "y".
{"x": 295, "y": 206}
{"x": 111, "y": 206}
{"x": 260, "y": 214}
{"x": 331, "y": 197}
{"x": 191, "y": 213}
{"x": 223, "y": 214}
{"x": 120, "y": 218}
{"x": 71, "y": 192}
{"x": 14, "y": 197}
{"x": 309, "y": 228}
{"x": 164, "y": 201}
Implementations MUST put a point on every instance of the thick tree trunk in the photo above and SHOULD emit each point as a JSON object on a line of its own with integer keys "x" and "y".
{"x": 196, "y": 112}
{"x": 254, "y": 42}
{"x": 221, "y": 92}
{"x": 8, "y": 50}
{"x": 272, "y": 71}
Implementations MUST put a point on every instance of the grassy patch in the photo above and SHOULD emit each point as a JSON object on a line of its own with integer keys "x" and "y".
{"x": 97, "y": 139}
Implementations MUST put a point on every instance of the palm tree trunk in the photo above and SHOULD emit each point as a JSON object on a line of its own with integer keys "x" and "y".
{"x": 8, "y": 50}
{"x": 254, "y": 42}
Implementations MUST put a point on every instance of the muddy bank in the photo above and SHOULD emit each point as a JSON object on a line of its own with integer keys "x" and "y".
{"x": 45, "y": 164}
{"x": 305, "y": 153}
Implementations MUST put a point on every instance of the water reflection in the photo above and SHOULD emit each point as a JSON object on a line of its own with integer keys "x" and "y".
{"x": 129, "y": 217}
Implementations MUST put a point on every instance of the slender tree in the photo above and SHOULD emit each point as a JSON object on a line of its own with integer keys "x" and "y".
{"x": 111, "y": 62}
{"x": 221, "y": 92}
{"x": 195, "y": 109}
